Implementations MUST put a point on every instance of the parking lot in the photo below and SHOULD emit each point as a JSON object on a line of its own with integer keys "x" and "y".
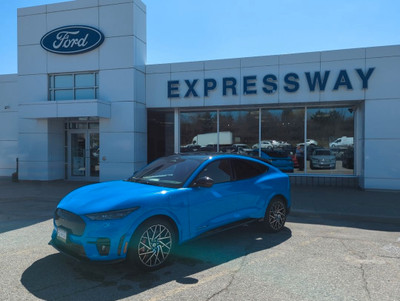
{"x": 320, "y": 255}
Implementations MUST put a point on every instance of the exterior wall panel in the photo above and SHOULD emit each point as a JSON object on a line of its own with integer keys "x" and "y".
{"x": 127, "y": 88}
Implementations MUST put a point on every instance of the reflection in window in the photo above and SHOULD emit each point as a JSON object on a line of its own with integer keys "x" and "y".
{"x": 242, "y": 127}
{"x": 282, "y": 130}
{"x": 281, "y": 136}
{"x": 330, "y": 131}
{"x": 160, "y": 131}
{"x": 220, "y": 171}
{"x": 199, "y": 131}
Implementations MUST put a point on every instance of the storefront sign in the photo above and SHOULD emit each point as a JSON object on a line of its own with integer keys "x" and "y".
{"x": 72, "y": 39}
{"x": 268, "y": 84}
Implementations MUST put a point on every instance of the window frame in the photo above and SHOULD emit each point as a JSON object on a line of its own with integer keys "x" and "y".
{"x": 52, "y": 89}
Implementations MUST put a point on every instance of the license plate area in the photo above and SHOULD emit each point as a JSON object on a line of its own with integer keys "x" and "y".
{"x": 62, "y": 234}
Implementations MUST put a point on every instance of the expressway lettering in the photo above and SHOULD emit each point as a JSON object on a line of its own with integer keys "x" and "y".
{"x": 268, "y": 84}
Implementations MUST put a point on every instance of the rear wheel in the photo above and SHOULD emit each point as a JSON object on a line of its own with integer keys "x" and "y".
{"x": 275, "y": 215}
{"x": 151, "y": 244}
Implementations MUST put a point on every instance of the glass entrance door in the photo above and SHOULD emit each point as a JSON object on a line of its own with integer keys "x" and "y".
{"x": 83, "y": 155}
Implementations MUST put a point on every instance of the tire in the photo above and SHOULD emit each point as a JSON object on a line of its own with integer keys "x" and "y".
{"x": 152, "y": 243}
{"x": 275, "y": 215}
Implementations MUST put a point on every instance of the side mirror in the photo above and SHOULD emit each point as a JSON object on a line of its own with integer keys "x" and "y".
{"x": 206, "y": 182}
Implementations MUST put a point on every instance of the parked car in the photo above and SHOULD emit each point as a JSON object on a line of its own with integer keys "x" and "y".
{"x": 279, "y": 159}
{"x": 309, "y": 142}
{"x": 322, "y": 158}
{"x": 170, "y": 201}
{"x": 342, "y": 142}
{"x": 190, "y": 148}
{"x": 237, "y": 148}
{"x": 265, "y": 144}
{"x": 310, "y": 149}
{"x": 348, "y": 158}
{"x": 294, "y": 160}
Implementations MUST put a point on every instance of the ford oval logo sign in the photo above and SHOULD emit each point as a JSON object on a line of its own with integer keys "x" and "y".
{"x": 72, "y": 39}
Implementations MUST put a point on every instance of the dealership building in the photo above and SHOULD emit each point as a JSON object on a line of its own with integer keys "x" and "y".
{"x": 84, "y": 104}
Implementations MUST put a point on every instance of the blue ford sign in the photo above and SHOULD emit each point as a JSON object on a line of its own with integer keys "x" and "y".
{"x": 72, "y": 39}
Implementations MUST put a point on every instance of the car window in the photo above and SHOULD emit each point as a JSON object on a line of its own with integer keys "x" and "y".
{"x": 245, "y": 169}
{"x": 322, "y": 153}
{"x": 171, "y": 171}
{"x": 220, "y": 171}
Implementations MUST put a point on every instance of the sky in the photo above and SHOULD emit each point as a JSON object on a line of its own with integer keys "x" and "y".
{"x": 198, "y": 30}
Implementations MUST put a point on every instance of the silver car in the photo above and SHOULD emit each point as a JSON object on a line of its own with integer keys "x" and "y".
{"x": 322, "y": 158}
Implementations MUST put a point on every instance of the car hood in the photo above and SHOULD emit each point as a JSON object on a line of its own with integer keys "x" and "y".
{"x": 108, "y": 196}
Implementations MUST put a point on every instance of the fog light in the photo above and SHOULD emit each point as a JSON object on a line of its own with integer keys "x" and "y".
{"x": 103, "y": 246}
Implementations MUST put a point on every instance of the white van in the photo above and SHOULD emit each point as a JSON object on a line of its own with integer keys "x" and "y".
{"x": 342, "y": 142}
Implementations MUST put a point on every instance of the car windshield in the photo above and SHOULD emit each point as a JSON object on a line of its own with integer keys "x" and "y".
{"x": 322, "y": 153}
{"x": 170, "y": 171}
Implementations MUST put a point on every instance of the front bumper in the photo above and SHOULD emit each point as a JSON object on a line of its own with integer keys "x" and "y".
{"x": 90, "y": 249}
{"x": 72, "y": 250}
{"x": 323, "y": 165}
{"x": 77, "y": 252}
{"x": 87, "y": 240}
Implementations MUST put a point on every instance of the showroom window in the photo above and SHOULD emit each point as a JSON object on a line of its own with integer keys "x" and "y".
{"x": 330, "y": 140}
{"x": 295, "y": 140}
{"x": 241, "y": 130}
{"x": 160, "y": 131}
{"x": 73, "y": 86}
{"x": 199, "y": 131}
{"x": 282, "y": 130}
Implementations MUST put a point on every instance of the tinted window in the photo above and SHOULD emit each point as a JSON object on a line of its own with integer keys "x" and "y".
{"x": 245, "y": 169}
{"x": 220, "y": 171}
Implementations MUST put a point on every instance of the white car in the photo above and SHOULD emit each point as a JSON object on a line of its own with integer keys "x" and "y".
{"x": 265, "y": 144}
{"x": 309, "y": 142}
{"x": 342, "y": 142}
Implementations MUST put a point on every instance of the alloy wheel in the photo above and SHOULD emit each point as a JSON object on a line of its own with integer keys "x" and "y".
{"x": 277, "y": 215}
{"x": 155, "y": 245}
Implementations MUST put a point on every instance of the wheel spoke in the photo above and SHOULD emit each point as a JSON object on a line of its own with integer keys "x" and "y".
{"x": 277, "y": 216}
{"x": 155, "y": 245}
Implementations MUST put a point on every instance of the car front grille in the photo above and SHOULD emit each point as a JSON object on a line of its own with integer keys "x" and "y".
{"x": 69, "y": 248}
{"x": 70, "y": 221}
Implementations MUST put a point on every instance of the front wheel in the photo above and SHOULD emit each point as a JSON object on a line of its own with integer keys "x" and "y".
{"x": 151, "y": 244}
{"x": 275, "y": 215}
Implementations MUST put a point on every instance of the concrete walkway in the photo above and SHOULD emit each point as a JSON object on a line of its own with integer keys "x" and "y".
{"x": 346, "y": 203}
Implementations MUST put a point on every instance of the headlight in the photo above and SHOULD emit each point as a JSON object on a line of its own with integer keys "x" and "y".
{"x": 115, "y": 214}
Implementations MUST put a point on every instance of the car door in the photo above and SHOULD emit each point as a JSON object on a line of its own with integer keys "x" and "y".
{"x": 214, "y": 206}
{"x": 250, "y": 190}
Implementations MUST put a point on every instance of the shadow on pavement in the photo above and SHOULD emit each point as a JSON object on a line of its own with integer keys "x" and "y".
{"x": 26, "y": 203}
{"x": 344, "y": 221}
{"x": 347, "y": 207}
{"x": 59, "y": 277}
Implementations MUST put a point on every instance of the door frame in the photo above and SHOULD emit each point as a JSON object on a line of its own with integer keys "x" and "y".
{"x": 87, "y": 156}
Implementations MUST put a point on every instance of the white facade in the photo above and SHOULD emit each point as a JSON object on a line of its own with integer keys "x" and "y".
{"x": 120, "y": 63}
{"x": 364, "y": 79}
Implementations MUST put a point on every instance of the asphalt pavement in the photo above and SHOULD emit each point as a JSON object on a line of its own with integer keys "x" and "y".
{"x": 19, "y": 200}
